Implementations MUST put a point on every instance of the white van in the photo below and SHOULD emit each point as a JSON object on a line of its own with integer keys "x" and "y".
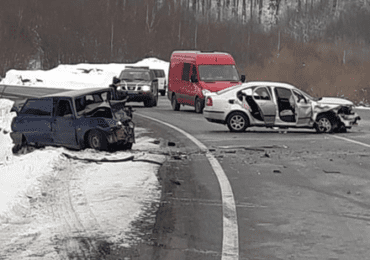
{"x": 162, "y": 83}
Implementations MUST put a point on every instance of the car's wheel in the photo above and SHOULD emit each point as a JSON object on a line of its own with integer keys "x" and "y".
{"x": 174, "y": 103}
{"x": 325, "y": 124}
{"x": 97, "y": 140}
{"x": 198, "y": 105}
{"x": 237, "y": 122}
{"x": 19, "y": 147}
{"x": 127, "y": 146}
{"x": 155, "y": 100}
{"x": 341, "y": 129}
{"x": 148, "y": 103}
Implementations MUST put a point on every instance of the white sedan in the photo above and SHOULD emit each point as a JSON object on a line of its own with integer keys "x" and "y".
{"x": 274, "y": 104}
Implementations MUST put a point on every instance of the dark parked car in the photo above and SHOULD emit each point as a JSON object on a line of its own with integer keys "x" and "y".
{"x": 138, "y": 84}
{"x": 75, "y": 119}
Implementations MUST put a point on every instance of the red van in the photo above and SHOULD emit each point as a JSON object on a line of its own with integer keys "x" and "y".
{"x": 192, "y": 74}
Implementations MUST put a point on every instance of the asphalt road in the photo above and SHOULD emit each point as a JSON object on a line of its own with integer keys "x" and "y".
{"x": 298, "y": 195}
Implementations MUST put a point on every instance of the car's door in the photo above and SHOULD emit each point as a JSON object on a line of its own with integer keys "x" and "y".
{"x": 34, "y": 121}
{"x": 64, "y": 132}
{"x": 186, "y": 84}
{"x": 194, "y": 88}
{"x": 303, "y": 109}
{"x": 262, "y": 96}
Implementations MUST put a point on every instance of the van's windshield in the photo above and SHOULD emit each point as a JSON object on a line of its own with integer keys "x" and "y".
{"x": 209, "y": 73}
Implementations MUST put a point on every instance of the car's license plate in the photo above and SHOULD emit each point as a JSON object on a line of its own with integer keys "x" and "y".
{"x": 120, "y": 134}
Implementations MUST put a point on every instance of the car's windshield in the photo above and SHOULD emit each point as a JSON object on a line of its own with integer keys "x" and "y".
{"x": 211, "y": 73}
{"x": 308, "y": 96}
{"x": 228, "y": 89}
{"x": 83, "y": 101}
{"x": 134, "y": 75}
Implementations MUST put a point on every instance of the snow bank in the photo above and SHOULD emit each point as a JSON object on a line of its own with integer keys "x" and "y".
{"x": 19, "y": 182}
{"x": 19, "y": 175}
{"x": 6, "y": 142}
{"x": 77, "y": 76}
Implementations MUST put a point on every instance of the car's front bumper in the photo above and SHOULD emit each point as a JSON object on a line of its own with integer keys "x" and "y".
{"x": 137, "y": 96}
{"x": 126, "y": 134}
{"x": 350, "y": 120}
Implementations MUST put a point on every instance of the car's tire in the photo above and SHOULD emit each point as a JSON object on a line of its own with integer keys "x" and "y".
{"x": 341, "y": 129}
{"x": 19, "y": 147}
{"x": 174, "y": 103}
{"x": 148, "y": 103}
{"x": 237, "y": 122}
{"x": 325, "y": 123}
{"x": 127, "y": 146}
{"x": 199, "y": 105}
{"x": 97, "y": 140}
{"x": 155, "y": 100}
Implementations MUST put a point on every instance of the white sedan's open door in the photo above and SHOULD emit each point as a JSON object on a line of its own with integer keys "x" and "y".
{"x": 303, "y": 109}
{"x": 266, "y": 105}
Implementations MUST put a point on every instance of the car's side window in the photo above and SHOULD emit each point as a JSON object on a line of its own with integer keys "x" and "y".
{"x": 194, "y": 71}
{"x": 186, "y": 72}
{"x": 63, "y": 108}
{"x": 39, "y": 107}
{"x": 299, "y": 97}
{"x": 262, "y": 94}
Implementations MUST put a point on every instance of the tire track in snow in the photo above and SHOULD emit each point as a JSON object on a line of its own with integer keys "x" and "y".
{"x": 75, "y": 239}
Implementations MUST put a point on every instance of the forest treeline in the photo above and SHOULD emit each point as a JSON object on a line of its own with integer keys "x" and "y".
{"x": 322, "y": 46}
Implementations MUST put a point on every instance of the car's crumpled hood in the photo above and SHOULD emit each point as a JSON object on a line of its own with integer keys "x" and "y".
{"x": 335, "y": 101}
{"x": 330, "y": 104}
{"x": 90, "y": 108}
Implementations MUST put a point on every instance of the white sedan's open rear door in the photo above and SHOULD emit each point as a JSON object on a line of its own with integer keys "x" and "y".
{"x": 266, "y": 105}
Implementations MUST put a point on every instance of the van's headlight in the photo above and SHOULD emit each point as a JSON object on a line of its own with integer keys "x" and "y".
{"x": 145, "y": 88}
{"x": 205, "y": 92}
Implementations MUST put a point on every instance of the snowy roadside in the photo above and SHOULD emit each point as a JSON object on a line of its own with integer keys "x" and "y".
{"x": 48, "y": 199}
{"x": 79, "y": 76}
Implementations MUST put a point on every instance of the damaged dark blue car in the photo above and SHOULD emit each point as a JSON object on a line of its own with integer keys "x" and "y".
{"x": 78, "y": 119}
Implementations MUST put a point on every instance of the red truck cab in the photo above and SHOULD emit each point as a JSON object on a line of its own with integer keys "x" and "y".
{"x": 193, "y": 74}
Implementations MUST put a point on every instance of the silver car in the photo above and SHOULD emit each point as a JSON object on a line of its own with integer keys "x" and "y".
{"x": 274, "y": 104}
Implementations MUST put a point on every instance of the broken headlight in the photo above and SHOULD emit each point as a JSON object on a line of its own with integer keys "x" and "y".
{"x": 347, "y": 110}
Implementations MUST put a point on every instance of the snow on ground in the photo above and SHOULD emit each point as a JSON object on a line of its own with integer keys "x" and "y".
{"x": 77, "y": 76}
{"x": 21, "y": 175}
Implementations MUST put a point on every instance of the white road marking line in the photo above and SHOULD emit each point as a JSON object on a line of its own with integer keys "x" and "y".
{"x": 352, "y": 141}
{"x": 230, "y": 240}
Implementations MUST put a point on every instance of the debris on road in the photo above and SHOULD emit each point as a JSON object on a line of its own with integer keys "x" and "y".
{"x": 326, "y": 171}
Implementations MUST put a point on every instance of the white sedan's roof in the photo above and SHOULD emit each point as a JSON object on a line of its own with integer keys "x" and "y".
{"x": 258, "y": 83}
{"x": 267, "y": 83}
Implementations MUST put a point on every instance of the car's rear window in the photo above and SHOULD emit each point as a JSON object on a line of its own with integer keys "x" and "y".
{"x": 39, "y": 107}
